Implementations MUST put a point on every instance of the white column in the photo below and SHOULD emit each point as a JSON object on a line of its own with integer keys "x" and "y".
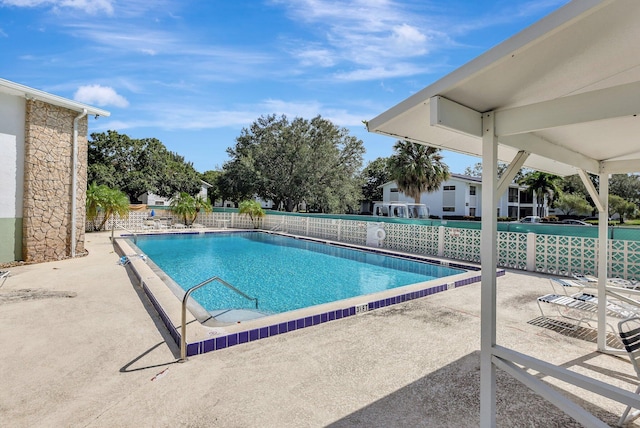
{"x": 440, "y": 241}
{"x": 531, "y": 252}
{"x": 488, "y": 276}
{"x": 603, "y": 257}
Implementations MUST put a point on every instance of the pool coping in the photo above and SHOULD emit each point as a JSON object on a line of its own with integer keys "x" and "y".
{"x": 202, "y": 339}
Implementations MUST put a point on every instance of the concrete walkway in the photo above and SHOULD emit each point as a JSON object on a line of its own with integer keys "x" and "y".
{"x": 82, "y": 347}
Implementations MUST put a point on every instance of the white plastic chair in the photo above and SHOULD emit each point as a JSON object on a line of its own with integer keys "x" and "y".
{"x": 629, "y": 330}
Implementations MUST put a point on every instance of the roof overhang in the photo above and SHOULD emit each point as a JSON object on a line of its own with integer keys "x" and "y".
{"x": 565, "y": 90}
{"x": 19, "y": 90}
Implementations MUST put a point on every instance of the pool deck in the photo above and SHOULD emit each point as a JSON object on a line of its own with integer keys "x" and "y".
{"x": 82, "y": 346}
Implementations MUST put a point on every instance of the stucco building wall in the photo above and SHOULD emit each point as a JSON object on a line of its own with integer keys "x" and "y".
{"x": 12, "y": 111}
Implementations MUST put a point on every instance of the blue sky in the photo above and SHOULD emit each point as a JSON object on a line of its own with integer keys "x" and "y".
{"x": 194, "y": 73}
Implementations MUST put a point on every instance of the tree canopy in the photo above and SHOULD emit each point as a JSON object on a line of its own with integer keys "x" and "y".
{"x": 291, "y": 162}
{"x": 620, "y": 206}
{"x": 212, "y": 177}
{"x": 136, "y": 166}
{"x": 417, "y": 168}
{"x": 573, "y": 204}
{"x": 626, "y": 186}
{"x": 476, "y": 170}
{"x": 374, "y": 175}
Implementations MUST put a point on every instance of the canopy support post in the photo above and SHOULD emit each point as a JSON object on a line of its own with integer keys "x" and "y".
{"x": 603, "y": 257}
{"x": 488, "y": 260}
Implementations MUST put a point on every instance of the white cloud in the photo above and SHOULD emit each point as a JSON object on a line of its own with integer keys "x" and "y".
{"x": 189, "y": 118}
{"x": 100, "y": 95}
{"x": 92, "y": 7}
{"x": 383, "y": 71}
{"x": 365, "y": 33}
{"x": 365, "y": 37}
{"x": 316, "y": 57}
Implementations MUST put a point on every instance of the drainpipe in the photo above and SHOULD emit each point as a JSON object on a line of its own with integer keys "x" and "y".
{"x": 74, "y": 181}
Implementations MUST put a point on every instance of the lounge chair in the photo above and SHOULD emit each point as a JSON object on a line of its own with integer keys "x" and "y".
{"x": 569, "y": 286}
{"x": 148, "y": 224}
{"x": 159, "y": 224}
{"x": 616, "y": 282}
{"x": 629, "y": 331}
{"x": 582, "y": 308}
{"x": 4, "y": 274}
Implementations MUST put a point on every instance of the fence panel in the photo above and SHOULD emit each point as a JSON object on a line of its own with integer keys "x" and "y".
{"x": 462, "y": 244}
{"x": 512, "y": 250}
{"x": 552, "y": 253}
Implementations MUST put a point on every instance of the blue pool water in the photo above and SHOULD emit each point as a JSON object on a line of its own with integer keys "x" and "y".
{"x": 283, "y": 273}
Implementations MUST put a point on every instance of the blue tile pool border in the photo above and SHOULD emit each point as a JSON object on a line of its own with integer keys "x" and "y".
{"x": 223, "y": 342}
{"x": 226, "y": 341}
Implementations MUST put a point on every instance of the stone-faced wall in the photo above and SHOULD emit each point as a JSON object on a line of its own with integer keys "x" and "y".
{"x": 48, "y": 182}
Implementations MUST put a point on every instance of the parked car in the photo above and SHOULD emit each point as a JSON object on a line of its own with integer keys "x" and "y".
{"x": 530, "y": 219}
{"x": 595, "y": 218}
{"x": 400, "y": 210}
{"x": 576, "y": 222}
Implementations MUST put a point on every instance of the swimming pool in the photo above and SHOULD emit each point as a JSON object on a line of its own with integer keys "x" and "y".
{"x": 206, "y": 334}
{"x": 282, "y": 273}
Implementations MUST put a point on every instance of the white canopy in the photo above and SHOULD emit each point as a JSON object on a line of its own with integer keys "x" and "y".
{"x": 563, "y": 97}
{"x": 566, "y": 89}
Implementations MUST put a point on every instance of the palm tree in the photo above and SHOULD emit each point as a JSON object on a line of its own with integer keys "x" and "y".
{"x": 103, "y": 199}
{"x": 93, "y": 203}
{"x": 188, "y": 206}
{"x": 545, "y": 185}
{"x": 184, "y": 205}
{"x": 417, "y": 168}
{"x": 202, "y": 204}
{"x": 253, "y": 209}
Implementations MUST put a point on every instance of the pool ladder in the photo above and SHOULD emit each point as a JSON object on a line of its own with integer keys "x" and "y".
{"x": 115, "y": 224}
{"x": 183, "y": 329}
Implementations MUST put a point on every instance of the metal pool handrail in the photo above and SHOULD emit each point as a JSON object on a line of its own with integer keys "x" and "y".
{"x": 135, "y": 236}
{"x": 183, "y": 328}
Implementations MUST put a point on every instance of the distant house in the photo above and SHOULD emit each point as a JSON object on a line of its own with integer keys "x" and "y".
{"x": 461, "y": 196}
{"x": 43, "y": 177}
{"x": 230, "y": 204}
{"x": 152, "y": 199}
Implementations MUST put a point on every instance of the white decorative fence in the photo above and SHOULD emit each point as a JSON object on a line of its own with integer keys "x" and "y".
{"x": 553, "y": 254}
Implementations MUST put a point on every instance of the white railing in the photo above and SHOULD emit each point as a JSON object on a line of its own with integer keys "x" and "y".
{"x": 552, "y": 254}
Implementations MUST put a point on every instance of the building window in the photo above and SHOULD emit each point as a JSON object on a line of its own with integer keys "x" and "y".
{"x": 449, "y": 197}
{"x": 513, "y": 194}
{"x": 394, "y": 194}
{"x": 448, "y": 209}
{"x": 159, "y": 203}
{"x": 472, "y": 212}
{"x": 526, "y": 196}
{"x": 472, "y": 190}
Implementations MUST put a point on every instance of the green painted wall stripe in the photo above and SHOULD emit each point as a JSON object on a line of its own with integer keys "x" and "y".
{"x": 10, "y": 239}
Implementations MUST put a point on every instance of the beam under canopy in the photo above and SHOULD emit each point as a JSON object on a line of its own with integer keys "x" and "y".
{"x": 608, "y": 103}
{"x": 534, "y": 144}
{"x": 511, "y": 172}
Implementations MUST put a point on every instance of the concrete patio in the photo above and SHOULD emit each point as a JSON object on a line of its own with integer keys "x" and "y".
{"x": 82, "y": 346}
